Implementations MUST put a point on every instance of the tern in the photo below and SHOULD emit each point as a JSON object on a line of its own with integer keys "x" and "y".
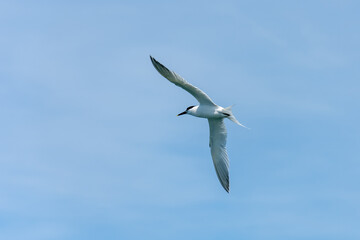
{"x": 215, "y": 115}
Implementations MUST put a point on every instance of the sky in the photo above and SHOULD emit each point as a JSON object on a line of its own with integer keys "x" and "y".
{"x": 91, "y": 148}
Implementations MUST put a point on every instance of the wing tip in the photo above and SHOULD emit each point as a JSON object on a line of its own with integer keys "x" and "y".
{"x": 226, "y": 186}
{"x": 156, "y": 63}
{"x": 152, "y": 59}
{"x": 224, "y": 181}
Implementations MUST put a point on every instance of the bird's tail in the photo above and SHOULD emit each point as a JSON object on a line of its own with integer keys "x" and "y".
{"x": 232, "y": 117}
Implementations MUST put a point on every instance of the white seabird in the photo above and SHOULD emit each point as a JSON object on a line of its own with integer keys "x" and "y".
{"x": 215, "y": 115}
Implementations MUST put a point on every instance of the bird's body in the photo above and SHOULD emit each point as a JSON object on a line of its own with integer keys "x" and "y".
{"x": 206, "y": 111}
{"x": 215, "y": 115}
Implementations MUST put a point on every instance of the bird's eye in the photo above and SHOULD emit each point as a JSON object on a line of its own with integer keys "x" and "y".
{"x": 189, "y": 108}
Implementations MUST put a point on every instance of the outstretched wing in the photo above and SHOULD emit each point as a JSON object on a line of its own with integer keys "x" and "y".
{"x": 202, "y": 97}
{"x": 218, "y": 150}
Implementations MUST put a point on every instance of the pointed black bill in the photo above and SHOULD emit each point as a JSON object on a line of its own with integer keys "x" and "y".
{"x": 182, "y": 113}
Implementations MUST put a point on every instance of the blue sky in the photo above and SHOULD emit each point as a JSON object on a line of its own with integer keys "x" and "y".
{"x": 91, "y": 148}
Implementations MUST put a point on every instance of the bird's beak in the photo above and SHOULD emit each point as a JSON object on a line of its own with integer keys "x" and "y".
{"x": 181, "y": 113}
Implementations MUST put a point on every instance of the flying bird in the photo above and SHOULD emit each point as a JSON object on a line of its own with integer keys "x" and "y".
{"x": 215, "y": 115}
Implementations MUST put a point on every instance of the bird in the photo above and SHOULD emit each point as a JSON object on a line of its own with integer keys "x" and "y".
{"x": 215, "y": 115}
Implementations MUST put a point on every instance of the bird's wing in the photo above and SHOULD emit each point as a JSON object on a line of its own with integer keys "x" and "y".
{"x": 202, "y": 97}
{"x": 218, "y": 150}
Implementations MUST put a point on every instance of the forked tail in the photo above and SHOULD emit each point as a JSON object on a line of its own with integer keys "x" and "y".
{"x": 232, "y": 117}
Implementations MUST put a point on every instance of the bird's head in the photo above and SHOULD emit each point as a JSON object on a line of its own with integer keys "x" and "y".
{"x": 188, "y": 110}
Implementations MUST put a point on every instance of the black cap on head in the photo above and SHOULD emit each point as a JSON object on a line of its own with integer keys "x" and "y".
{"x": 189, "y": 108}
